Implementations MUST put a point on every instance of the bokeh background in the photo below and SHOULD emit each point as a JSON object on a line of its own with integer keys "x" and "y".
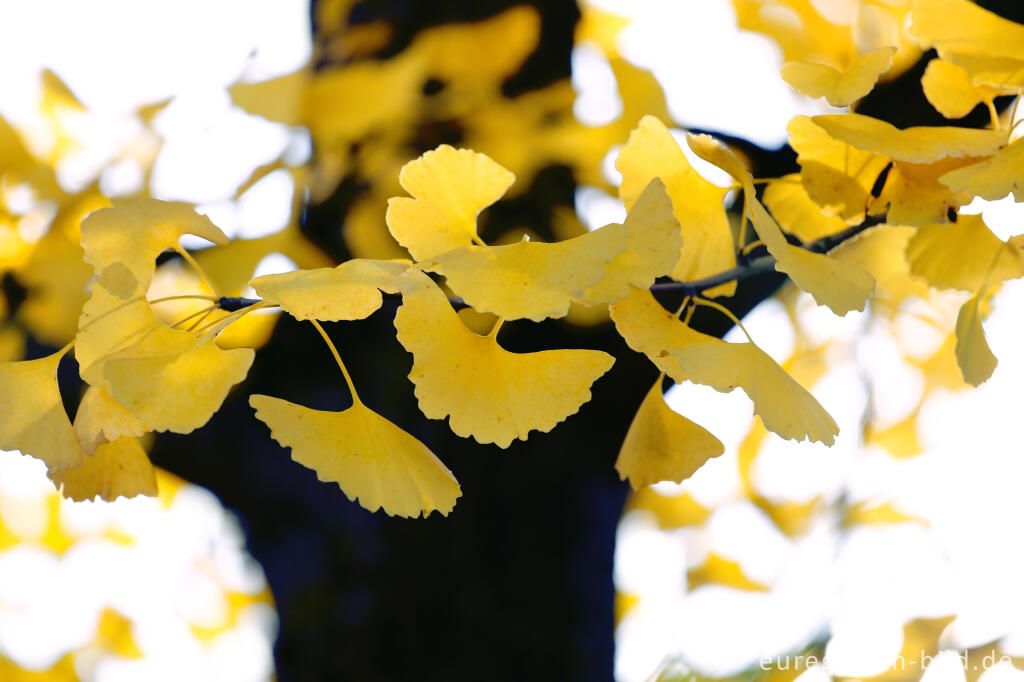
{"x": 287, "y": 124}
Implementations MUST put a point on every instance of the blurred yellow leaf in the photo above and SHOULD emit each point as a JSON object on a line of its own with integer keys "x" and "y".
{"x": 972, "y": 352}
{"x": 662, "y": 445}
{"x": 837, "y": 176}
{"x": 34, "y": 420}
{"x": 841, "y": 87}
{"x": 962, "y": 27}
{"x": 717, "y": 570}
{"x": 449, "y": 188}
{"x": 119, "y": 468}
{"x": 796, "y": 212}
{"x": 672, "y": 511}
{"x": 993, "y": 178}
{"x": 114, "y": 634}
{"x": 949, "y": 89}
{"x": 488, "y": 393}
{"x": 278, "y": 99}
{"x": 370, "y": 458}
{"x": 923, "y": 144}
{"x": 961, "y": 255}
{"x": 350, "y": 291}
{"x": 871, "y": 514}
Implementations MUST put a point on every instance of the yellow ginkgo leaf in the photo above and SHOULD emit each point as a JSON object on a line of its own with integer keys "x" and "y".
{"x": 530, "y": 280}
{"x": 365, "y": 454}
{"x": 949, "y": 89}
{"x": 177, "y": 389}
{"x": 100, "y": 418}
{"x": 796, "y": 212}
{"x": 717, "y": 570}
{"x": 122, "y": 244}
{"x": 972, "y": 352}
{"x": 785, "y": 407}
{"x": 648, "y": 328}
{"x": 960, "y": 26}
{"x": 840, "y": 286}
{"x": 994, "y": 178}
{"x": 487, "y": 392}
{"x": 671, "y": 511}
{"x": 882, "y": 252}
{"x": 913, "y": 194}
{"x": 840, "y": 87}
{"x": 922, "y": 144}
{"x": 998, "y": 72}
{"x": 961, "y": 255}
{"x": 899, "y": 440}
{"x": 662, "y": 445}
{"x": 350, "y": 291}
{"x": 652, "y": 248}
{"x": 34, "y": 420}
{"x": 449, "y": 188}
{"x": 652, "y": 152}
{"x": 117, "y": 469}
{"x": 837, "y": 176}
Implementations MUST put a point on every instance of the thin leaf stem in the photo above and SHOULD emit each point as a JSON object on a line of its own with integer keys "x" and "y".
{"x": 341, "y": 365}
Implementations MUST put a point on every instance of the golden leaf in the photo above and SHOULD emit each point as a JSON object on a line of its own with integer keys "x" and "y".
{"x": 840, "y": 87}
{"x": 652, "y": 248}
{"x": 972, "y": 352}
{"x": 530, "y": 280}
{"x": 949, "y": 89}
{"x": 796, "y": 212}
{"x": 487, "y": 392}
{"x": 662, "y": 445}
{"x": 119, "y": 468}
{"x": 370, "y": 458}
{"x": 717, "y": 570}
{"x": 449, "y": 188}
{"x": 837, "y": 176}
{"x": 175, "y": 388}
{"x": 350, "y": 291}
{"x": 840, "y": 286}
{"x": 785, "y": 407}
{"x": 708, "y": 248}
{"x": 100, "y": 419}
{"x": 922, "y": 144}
{"x": 993, "y": 178}
{"x": 961, "y": 255}
{"x": 34, "y": 420}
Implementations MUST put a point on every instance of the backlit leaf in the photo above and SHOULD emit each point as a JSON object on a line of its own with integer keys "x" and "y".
{"x": 370, "y": 458}
{"x": 350, "y": 291}
{"x": 923, "y": 144}
{"x": 960, "y": 255}
{"x": 530, "y": 280}
{"x": 652, "y": 152}
{"x": 840, "y": 87}
{"x": 840, "y": 286}
{"x": 972, "y": 351}
{"x": 652, "y": 248}
{"x": 117, "y": 469}
{"x": 994, "y": 178}
{"x": 648, "y": 328}
{"x": 449, "y": 187}
{"x": 796, "y": 212}
{"x": 785, "y": 407}
{"x": 960, "y": 26}
{"x": 34, "y": 420}
{"x": 662, "y": 445}
{"x": 487, "y": 392}
{"x": 949, "y": 89}
{"x": 177, "y": 389}
{"x": 100, "y": 418}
